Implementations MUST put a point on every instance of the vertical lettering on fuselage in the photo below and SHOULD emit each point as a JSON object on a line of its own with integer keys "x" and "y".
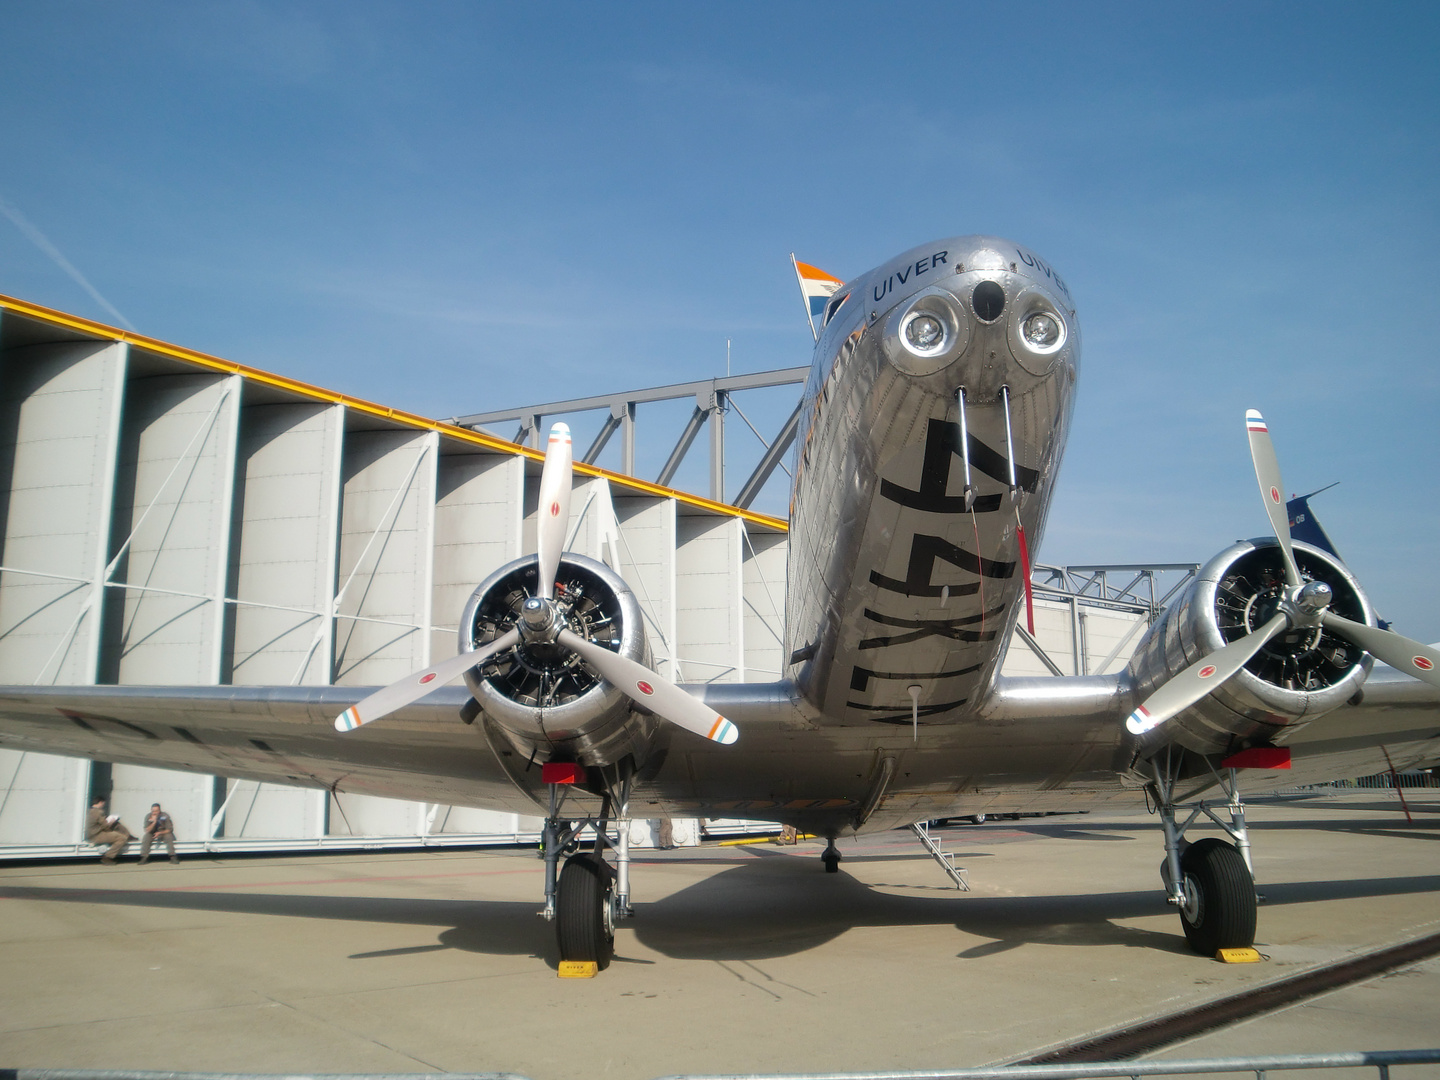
{"x": 931, "y": 495}
{"x": 942, "y": 442}
{"x": 925, "y": 551}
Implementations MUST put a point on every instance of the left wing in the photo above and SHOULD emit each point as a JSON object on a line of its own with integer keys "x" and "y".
{"x": 280, "y": 735}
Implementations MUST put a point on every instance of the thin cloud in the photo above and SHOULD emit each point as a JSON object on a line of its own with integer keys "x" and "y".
{"x": 39, "y": 239}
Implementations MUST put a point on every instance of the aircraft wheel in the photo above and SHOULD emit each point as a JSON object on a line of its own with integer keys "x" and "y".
{"x": 977, "y": 819}
{"x": 1219, "y": 908}
{"x": 831, "y": 858}
{"x": 585, "y": 910}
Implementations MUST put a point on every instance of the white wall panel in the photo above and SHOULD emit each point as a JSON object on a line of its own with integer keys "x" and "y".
{"x": 1055, "y": 626}
{"x": 176, "y": 479}
{"x": 286, "y": 548}
{"x": 764, "y": 613}
{"x": 59, "y": 416}
{"x": 367, "y": 815}
{"x": 478, "y": 517}
{"x": 386, "y": 517}
{"x": 709, "y": 598}
{"x": 594, "y": 529}
{"x": 272, "y": 811}
{"x": 41, "y": 798}
{"x": 452, "y": 820}
{"x": 647, "y": 563}
{"x": 1104, "y": 632}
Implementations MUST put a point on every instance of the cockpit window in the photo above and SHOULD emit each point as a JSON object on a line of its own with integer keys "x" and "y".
{"x": 834, "y": 306}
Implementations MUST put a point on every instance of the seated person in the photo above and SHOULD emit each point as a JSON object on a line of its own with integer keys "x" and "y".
{"x": 158, "y": 826}
{"x": 102, "y": 829}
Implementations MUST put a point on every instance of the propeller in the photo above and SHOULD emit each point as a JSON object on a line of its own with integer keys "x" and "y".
{"x": 413, "y": 687}
{"x": 555, "y": 482}
{"x": 1302, "y": 605}
{"x": 541, "y": 621}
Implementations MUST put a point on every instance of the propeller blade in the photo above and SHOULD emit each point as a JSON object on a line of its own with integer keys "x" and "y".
{"x": 413, "y": 687}
{"x": 657, "y": 694}
{"x": 555, "y": 483}
{"x": 1397, "y": 650}
{"x": 1200, "y": 678}
{"x": 1272, "y": 489}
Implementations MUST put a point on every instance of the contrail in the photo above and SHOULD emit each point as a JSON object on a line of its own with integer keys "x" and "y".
{"x": 36, "y": 237}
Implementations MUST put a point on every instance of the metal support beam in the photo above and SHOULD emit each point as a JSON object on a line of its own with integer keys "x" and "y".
{"x": 687, "y": 439}
{"x": 627, "y": 437}
{"x": 705, "y": 388}
{"x": 612, "y": 422}
{"x": 717, "y": 446}
{"x": 770, "y": 461}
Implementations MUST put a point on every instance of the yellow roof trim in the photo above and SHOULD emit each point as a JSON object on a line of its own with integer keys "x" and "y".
{"x": 490, "y": 442}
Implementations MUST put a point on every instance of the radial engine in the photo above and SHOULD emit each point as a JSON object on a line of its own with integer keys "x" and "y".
{"x": 542, "y": 697}
{"x": 1300, "y": 674}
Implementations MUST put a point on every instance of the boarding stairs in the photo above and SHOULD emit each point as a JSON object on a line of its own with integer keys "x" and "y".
{"x": 946, "y": 859}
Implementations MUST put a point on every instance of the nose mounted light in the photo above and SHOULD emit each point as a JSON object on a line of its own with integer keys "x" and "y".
{"x": 1041, "y": 331}
{"x": 926, "y": 333}
{"x": 923, "y": 333}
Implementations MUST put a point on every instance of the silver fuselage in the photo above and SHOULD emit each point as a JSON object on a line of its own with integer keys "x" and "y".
{"x": 892, "y": 582}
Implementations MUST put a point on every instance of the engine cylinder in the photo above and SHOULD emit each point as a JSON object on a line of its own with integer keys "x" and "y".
{"x": 1299, "y": 675}
{"x": 540, "y": 695}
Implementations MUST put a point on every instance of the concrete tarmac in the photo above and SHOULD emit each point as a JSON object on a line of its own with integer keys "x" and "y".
{"x": 740, "y": 959}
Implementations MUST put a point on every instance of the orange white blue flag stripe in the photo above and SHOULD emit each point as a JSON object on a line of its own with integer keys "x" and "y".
{"x": 816, "y": 288}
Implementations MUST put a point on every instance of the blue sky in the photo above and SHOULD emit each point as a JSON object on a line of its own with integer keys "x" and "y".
{"x": 458, "y": 207}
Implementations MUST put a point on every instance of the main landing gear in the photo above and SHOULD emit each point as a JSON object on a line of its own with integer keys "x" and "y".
{"x": 1211, "y": 882}
{"x": 587, "y": 897}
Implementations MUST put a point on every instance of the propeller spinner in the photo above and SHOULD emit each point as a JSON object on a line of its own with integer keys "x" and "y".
{"x": 1302, "y": 605}
{"x": 541, "y": 622}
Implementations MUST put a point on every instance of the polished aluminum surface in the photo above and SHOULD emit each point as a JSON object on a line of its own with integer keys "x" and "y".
{"x": 891, "y": 581}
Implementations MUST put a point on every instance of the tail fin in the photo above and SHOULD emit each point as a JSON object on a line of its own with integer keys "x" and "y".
{"x": 1304, "y": 526}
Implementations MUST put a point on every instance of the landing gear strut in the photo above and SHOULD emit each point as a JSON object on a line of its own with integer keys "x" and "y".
{"x": 1211, "y": 882}
{"x": 831, "y": 856}
{"x": 587, "y": 897}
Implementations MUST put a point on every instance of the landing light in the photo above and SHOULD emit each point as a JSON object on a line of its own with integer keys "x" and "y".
{"x": 924, "y": 332}
{"x": 1041, "y": 330}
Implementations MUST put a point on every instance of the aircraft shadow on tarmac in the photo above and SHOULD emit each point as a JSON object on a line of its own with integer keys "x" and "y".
{"x": 759, "y": 909}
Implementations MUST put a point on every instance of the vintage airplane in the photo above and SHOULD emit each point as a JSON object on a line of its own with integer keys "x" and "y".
{"x": 932, "y": 428}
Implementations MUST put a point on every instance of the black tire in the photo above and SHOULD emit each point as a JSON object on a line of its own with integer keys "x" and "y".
{"x": 584, "y": 918}
{"x": 831, "y": 859}
{"x": 1220, "y": 908}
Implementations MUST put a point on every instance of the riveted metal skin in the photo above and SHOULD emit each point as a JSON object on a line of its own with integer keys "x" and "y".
{"x": 1248, "y": 709}
{"x": 889, "y": 575}
{"x": 598, "y": 726}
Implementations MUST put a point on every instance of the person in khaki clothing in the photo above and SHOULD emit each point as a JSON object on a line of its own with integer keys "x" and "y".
{"x": 158, "y": 826}
{"x": 100, "y": 829}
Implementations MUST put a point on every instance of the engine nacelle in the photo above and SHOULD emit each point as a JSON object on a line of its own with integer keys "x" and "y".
{"x": 541, "y": 696}
{"x": 1298, "y": 676}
